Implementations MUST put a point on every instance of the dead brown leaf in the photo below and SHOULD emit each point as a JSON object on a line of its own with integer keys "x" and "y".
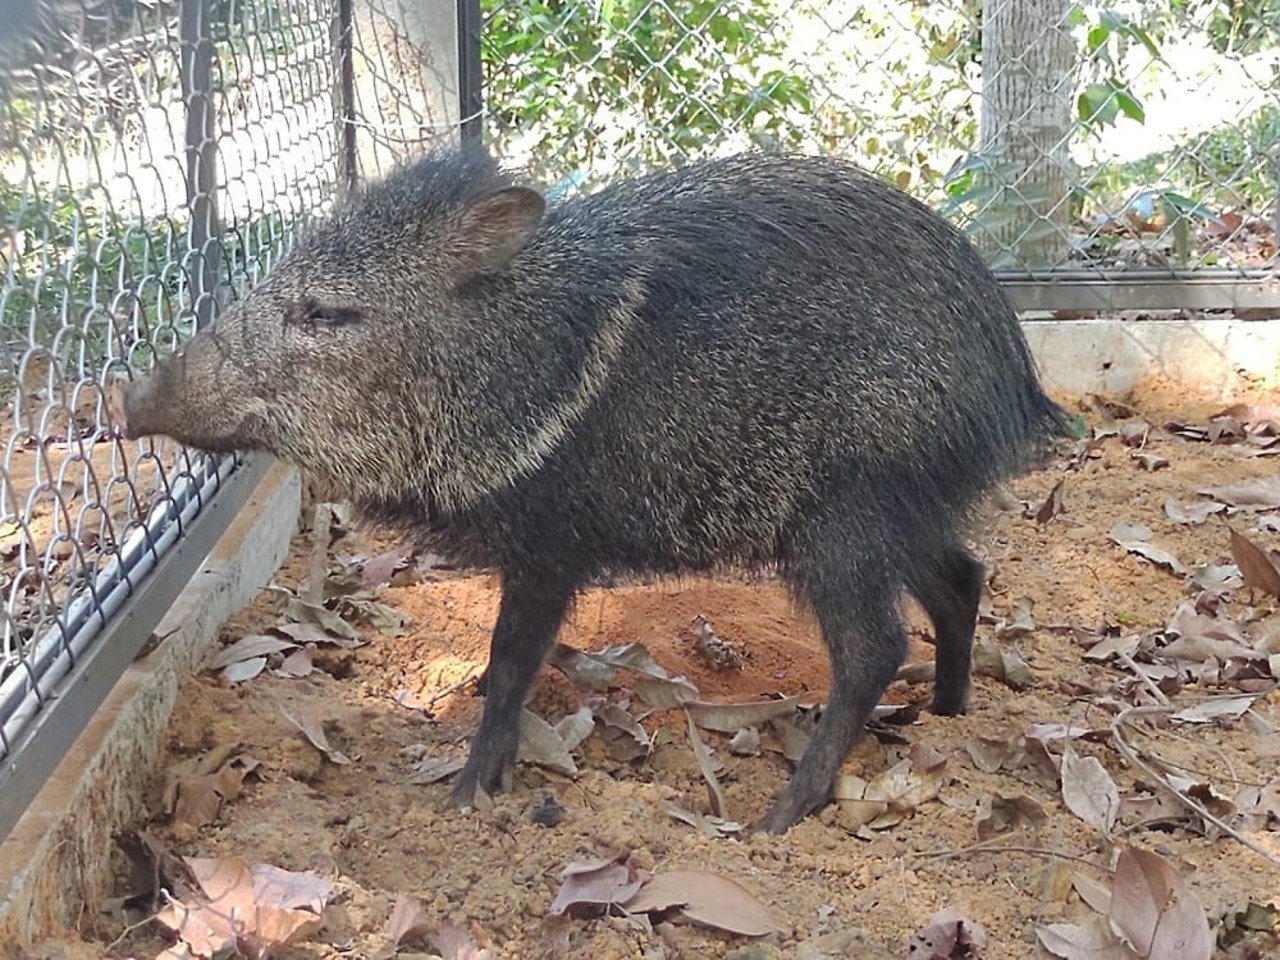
{"x": 1155, "y": 912}
{"x": 1263, "y": 492}
{"x": 1136, "y": 539}
{"x": 1088, "y": 790}
{"x": 409, "y": 924}
{"x": 458, "y": 943}
{"x": 298, "y": 664}
{"x": 1091, "y": 940}
{"x": 303, "y": 611}
{"x": 731, "y": 717}
{"x": 708, "y": 767}
{"x": 1191, "y": 513}
{"x": 314, "y": 733}
{"x": 949, "y": 935}
{"x": 1052, "y": 505}
{"x": 705, "y": 898}
{"x": 247, "y": 648}
{"x": 542, "y": 744}
{"x": 992, "y": 660}
{"x": 592, "y": 887}
{"x": 256, "y": 908}
{"x": 1256, "y": 568}
{"x": 1002, "y": 813}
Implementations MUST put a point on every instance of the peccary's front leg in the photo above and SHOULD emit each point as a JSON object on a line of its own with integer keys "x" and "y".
{"x": 529, "y": 617}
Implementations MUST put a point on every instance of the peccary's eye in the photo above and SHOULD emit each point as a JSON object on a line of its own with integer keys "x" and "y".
{"x": 312, "y": 315}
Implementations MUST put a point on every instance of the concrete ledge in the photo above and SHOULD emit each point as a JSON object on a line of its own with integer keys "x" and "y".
{"x": 1212, "y": 359}
{"x": 57, "y": 859}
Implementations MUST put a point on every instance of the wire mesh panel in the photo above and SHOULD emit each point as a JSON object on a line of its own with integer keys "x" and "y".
{"x": 1076, "y": 138}
{"x": 155, "y": 160}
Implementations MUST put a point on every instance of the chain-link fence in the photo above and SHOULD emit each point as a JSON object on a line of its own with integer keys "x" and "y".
{"x": 1095, "y": 151}
{"x": 156, "y": 158}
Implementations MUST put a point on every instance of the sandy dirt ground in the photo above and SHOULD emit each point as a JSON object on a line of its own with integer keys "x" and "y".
{"x": 1026, "y": 816}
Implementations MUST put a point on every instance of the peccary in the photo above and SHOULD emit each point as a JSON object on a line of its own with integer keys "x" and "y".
{"x": 762, "y": 361}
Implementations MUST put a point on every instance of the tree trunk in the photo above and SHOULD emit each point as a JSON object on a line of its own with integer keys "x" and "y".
{"x": 1028, "y": 63}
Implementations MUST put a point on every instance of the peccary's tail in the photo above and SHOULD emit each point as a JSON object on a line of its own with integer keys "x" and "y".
{"x": 1044, "y": 421}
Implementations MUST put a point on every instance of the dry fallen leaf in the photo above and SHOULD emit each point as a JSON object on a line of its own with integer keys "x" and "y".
{"x": 1149, "y": 461}
{"x": 1052, "y": 505}
{"x": 949, "y": 935}
{"x": 378, "y": 571}
{"x": 313, "y": 633}
{"x": 731, "y": 717}
{"x": 1093, "y": 892}
{"x": 992, "y": 660}
{"x": 315, "y": 735}
{"x": 707, "y": 766}
{"x": 383, "y": 618}
{"x": 1136, "y": 539}
{"x": 745, "y": 743}
{"x": 1001, "y": 813}
{"x": 1263, "y": 492}
{"x": 541, "y": 744}
{"x": 576, "y": 727}
{"x": 887, "y": 799}
{"x": 457, "y": 943}
{"x": 409, "y": 924}
{"x": 255, "y": 905}
{"x": 710, "y": 826}
{"x": 1088, "y": 790}
{"x": 1214, "y": 708}
{"x": 301, "y": 611}
{"x": 1191, "y": 513}
{"x": 705, "y": 898}
{"x": 248, "y": 648}
{"x": 298, "y": 664}
{"x": 1256, "y": 568}
{"x": 791, "y": 739}
{"x": 243, "y": 670}
{"x": 1091, "y": 940}
{"x": 595, "y": 885}
{"x": 435, "y": 769}
{"x": 1155, "y": 912}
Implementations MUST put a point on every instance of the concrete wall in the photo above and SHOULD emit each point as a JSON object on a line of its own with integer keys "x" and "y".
{"x": 1213, "y": 359}
{"x": 57, "y": 859}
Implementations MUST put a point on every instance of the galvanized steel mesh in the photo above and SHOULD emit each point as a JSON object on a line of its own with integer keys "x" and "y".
{"x": 156, "y": 159}
{"x": 1123, "y": 136}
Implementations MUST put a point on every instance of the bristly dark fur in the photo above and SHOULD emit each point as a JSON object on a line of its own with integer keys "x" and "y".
{"x": 751, "y": 361}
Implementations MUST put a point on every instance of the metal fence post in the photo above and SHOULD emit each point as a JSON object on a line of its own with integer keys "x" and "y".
{"x": 470, "y": 77}
{"x": 344, "y": 94}
{"x": 197, "y": 57}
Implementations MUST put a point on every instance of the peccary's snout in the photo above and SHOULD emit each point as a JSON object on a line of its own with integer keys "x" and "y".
{"x": 119, "y": 396}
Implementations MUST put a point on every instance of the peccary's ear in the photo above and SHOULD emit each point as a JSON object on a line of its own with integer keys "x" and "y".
{"x": 497, "y": 226}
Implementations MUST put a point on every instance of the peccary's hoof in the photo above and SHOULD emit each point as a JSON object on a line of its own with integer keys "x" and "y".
{"x": 779, "y": 818}
{"x": 949, "y": 706}
{"x": 479, "y": 781}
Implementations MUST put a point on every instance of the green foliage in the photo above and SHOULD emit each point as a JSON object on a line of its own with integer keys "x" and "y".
{"x": 1108, "y": 94}
{"x": 594, "y": 81}
{"x": 1234, "y": 26}
{"x": 1233, "y": 166}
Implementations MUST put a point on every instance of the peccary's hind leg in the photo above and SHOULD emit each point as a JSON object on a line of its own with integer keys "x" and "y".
{"x": 949, "y": 589}
{"x": 857, "y": 611}
{"x": 529, "y": 617}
